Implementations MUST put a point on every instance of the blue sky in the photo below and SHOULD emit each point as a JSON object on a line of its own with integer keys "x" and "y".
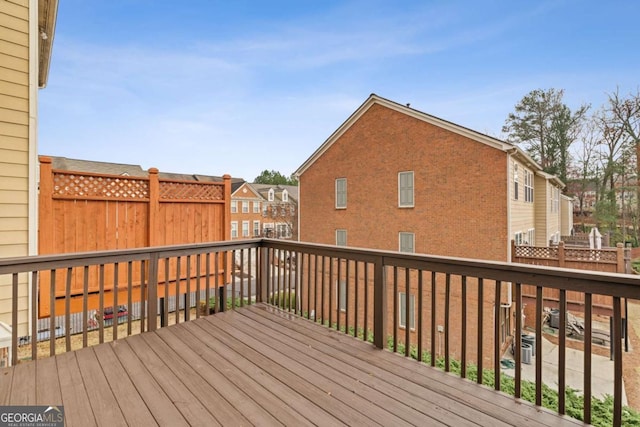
{"x": 215, "y": 87}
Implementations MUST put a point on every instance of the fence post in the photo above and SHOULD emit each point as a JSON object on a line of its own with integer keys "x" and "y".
{"x": 45, "y": 201}
{"x": 154, "y": 206}
{"x": 229, "y": 262}
{"x": 379, "y": 304}
{"x": 561, "y": 254}
{"x": 621, "y": 257}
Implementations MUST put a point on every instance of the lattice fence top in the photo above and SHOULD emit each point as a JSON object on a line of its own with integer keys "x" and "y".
{"x": 103, "y": 187}
{"x": 600, "y": 255}
{"x": 536, "y": 252}
{"x": 195, "y": 191}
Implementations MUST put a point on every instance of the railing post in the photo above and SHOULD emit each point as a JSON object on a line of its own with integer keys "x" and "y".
{"x": 379, "y": 304}
{"x": 152, "y": 293}
{"x": 264, "y": 273}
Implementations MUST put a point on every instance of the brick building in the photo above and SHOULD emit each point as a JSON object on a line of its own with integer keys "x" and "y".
{"x": 264, "y": 210}
{"x": 394, "y": 178}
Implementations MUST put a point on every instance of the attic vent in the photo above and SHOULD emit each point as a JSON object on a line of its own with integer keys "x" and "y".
{"x": 124, "y": 174}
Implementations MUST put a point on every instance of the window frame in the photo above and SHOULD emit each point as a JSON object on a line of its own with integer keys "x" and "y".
{"x": 234, "y": 229}
{"x": 245, "y": 229}
{"x": 413, "y": 242}
{"x": 234, "y": 206}
{"x": 256, "y": 231}
{"x": 285, "y": 196}
{"x": 341, "y": 295}
{"x": 405, "y": 190}
{"x": 256, "y": 207}
{"x": 338, "y": 232}
{"x": 412, "y": 311}
{"x": 341, "y": 193}
{"x": 245, "y": 206}
{"x": 271, "y": 195}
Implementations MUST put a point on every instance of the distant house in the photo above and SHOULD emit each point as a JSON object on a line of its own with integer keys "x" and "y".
{"x": 246, "y": 211}
{"x": 27, "y": 30}
{"x": 395, "y": 178}
{"x": 264, "y": 210}
{"x": 424, "y": 185}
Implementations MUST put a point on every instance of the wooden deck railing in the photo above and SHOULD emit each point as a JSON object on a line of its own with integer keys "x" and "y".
{"x": 448, "y": 311}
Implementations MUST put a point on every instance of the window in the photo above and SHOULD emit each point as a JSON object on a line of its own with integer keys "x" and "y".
{"x": 245, "y": 228}
{"x": 234, "y": 206}
{"x": 282, "y": 231}
{"x": 234, "y": 229}
{"x": 341, "y": 193}
{"x": 341, "y": 295}
{"x": 285, "y": 196}
{"x": 515, "y": 181}
{"x": 407, "y": 242}
{"x": 271, "y": 195}
{"x": 402, "y": 312}
{"x": 256, "y": 228}
{"x": 341, "y": 237}
{"x": 292, "y": 210}
{"x": 245, "y": 207}
{"x": 405, "y": 189}
{"x": 518, "y": 238}
{"x": 256, "y": 207}
{"x": 531, "y": 237}
{"x": 528, "y": 186}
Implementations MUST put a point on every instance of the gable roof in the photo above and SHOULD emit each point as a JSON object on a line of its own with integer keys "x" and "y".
{"x": 63, "y": 163}
{"x": 436, "y": 121}
{"x": 263, "y": 189}
{"x": 91, "y": 166}
{"x": 235, "y": 188}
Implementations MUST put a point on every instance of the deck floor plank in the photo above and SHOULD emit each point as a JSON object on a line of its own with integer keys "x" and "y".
{"x": 160, "y": 405}
{"x": 257, "y": 365}
{"x": 411, "y": 403}
{"x": 351, "y": 393}
{"x": 396, "y": 401}
{"x": 267, "y": 398}
{"x": 77, "y": 408}
{"x": 230, "y": 361}
{"x": 6, "y": 378}
{"x": 197, "y": 376}
{"x": 48, "y": 383}
{"x": 194, "y": 411}
{"x": 23, "y": 388}
{"x": 131, "y": 404}
{"x": 502, "y": 407}
{"x": 301, "y": 384}
{"x": 104, "y": 404}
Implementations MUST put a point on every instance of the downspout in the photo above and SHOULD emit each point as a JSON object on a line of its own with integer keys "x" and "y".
{"x": 33, "y": 180}
{"x": 509, "y": 290}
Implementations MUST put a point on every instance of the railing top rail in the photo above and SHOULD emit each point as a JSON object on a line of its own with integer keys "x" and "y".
{"x": 48, "y": 262}
{"x": 614, "y": 284}
{"x": 594, "y": 282}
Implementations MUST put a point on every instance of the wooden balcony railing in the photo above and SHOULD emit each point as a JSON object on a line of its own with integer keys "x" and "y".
{"x": 456, "y": 313}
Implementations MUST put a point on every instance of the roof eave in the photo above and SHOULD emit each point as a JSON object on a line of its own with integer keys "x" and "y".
{"x": 47, "y": 15}
{"x": 375, "y": 99}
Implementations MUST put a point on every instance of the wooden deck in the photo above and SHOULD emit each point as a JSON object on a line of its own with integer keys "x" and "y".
{"x": 256, "y": 366}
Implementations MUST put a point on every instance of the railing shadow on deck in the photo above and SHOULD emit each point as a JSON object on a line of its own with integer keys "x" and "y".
{"x": 455, "y": 313}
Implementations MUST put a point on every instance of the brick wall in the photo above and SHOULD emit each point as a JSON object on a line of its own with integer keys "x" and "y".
{"x": 460, "y": 189}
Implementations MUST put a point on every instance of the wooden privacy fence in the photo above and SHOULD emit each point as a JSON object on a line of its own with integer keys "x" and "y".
{"x": 82, "y": 211}
{"x": 610, "y": 260}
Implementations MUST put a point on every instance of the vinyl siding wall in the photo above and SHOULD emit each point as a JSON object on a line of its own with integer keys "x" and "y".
{"x": 522, "y": 212}
{"x": 541, "y": 203}
{"x": 14, "y": 146}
